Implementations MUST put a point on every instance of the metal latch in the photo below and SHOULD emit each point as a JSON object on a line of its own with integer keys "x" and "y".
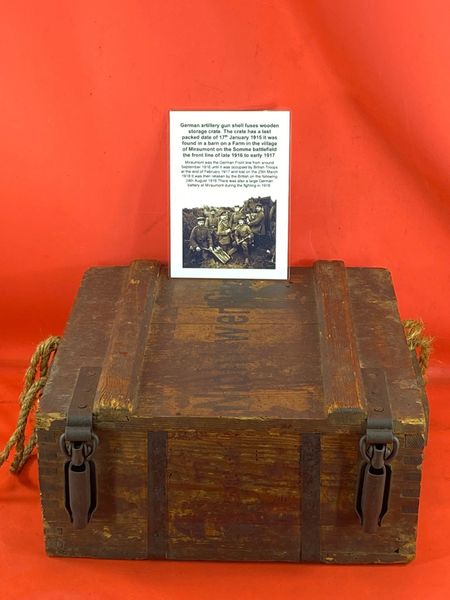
{"x": 378, "y": 447}
{"x": 79, "y": 443}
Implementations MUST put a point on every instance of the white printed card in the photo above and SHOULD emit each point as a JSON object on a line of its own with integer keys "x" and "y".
{"x": 229, "y": 194}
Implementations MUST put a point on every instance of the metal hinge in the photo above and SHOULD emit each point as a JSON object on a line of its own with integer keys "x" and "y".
{"x": 79, "y": 443}
{"x": 378, "y": 447}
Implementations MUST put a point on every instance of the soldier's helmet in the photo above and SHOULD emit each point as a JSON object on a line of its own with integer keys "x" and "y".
{"x": 258, "y": 206}
{"x": 236, "y": 206}
{"x": 200, "y": 220}
{"x": 241, "y": 219}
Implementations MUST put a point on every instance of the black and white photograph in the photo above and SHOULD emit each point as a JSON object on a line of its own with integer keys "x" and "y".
{"x": 239, "y": 236}
{"x": 229, "y": 194}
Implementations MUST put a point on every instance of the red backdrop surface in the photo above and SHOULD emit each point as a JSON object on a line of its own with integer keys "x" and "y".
{"x": 85, "y": 92}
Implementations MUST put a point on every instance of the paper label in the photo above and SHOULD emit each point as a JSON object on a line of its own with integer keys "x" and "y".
{"x": 229, "y": 194}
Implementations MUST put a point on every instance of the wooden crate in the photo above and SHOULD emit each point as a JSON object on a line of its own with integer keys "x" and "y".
{"x": 229, "y": 415}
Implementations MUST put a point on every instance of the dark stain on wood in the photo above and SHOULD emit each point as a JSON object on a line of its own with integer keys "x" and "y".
{"x": 157, "y": 494}
{"x": 310, "y": 501}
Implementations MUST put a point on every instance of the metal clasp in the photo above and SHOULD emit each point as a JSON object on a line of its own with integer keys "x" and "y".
{"x": 375, "y": 482}
{"x": 80, "y": 479}
{"x": 378, "y": 448}
{"x": 378, "y": 454}
{"x": 79, "y": 443}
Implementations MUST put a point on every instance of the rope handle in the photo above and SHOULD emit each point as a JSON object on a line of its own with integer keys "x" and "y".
{"x": 418, "y": 342}
{"x": 35, "y": 379}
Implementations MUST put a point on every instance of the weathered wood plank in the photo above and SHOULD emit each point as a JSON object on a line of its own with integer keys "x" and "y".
{"x": 236, "y": 348}
{"x": 125, "y": 352}
{"x": 249, "y": 376}
{"x": 291, "y": 298}
{"x": 234, "y": 495}
{"x": 343, "y": 389}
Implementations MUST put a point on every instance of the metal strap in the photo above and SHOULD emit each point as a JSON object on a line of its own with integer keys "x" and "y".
{"x": 79, "y": 415}
{"x": 379, "y": 416}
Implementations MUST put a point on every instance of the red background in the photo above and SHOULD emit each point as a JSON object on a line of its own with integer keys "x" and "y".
{"x": 85, "y": 91}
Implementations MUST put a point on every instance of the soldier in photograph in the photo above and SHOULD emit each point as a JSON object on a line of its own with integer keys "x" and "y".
{"x": 243, "y": 238}
{"x": 235, "y": 216}
{"x": 224, "y": 232}
{"x": 200, "y": 240}
{"x": 212, "y": 223}
{"x": 257, "y": 225}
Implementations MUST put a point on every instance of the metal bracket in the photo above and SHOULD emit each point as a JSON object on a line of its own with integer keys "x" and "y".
{"x": 378, "y": 448}
{"x": 78, "y": 443}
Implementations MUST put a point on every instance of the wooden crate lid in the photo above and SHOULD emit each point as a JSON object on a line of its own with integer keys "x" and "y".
{"x": 180, "y": 351}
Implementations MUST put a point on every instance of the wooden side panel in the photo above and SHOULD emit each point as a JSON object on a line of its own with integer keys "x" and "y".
{"x": 234, "y": 495}
{"x": 380, "y": 344}
{"x": 343, "y": 389}
{"x": 342, "y": 538}
{"x": 118, "y": 528}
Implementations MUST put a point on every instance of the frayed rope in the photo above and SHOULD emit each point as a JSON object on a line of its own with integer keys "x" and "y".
{"x": 35, "y": 380}
{"x": 418, "y": 342}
